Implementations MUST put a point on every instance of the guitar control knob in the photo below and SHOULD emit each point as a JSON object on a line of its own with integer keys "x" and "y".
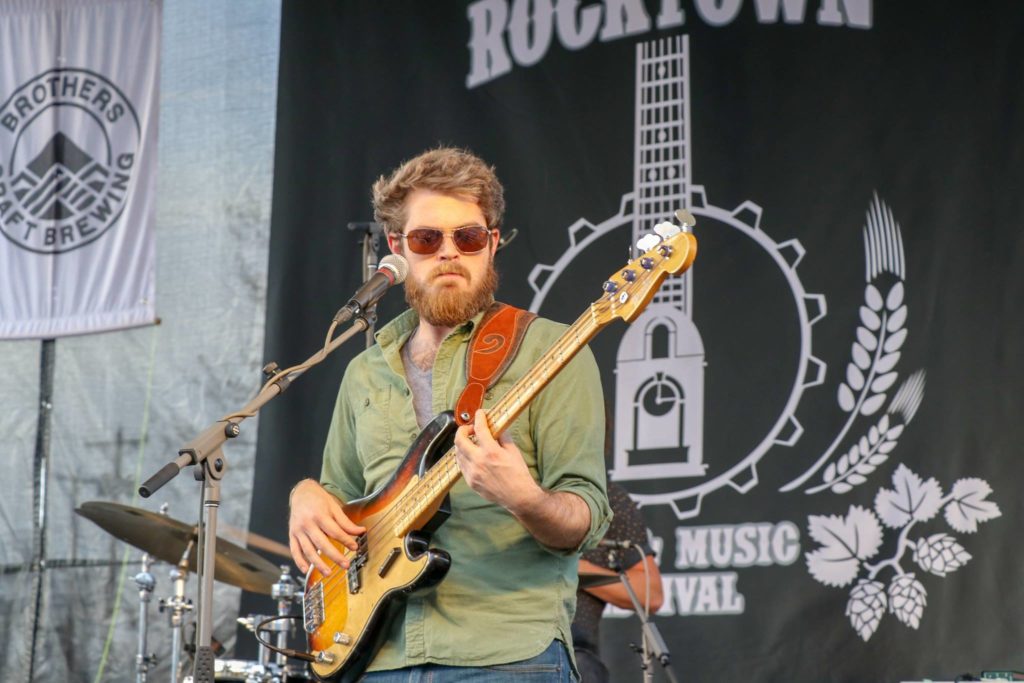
{"x": 629, "y": 275}
{"x": 647, "y": 263}
{"x": 609, "y": 286}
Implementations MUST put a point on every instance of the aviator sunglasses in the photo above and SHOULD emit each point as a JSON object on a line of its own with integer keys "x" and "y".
{"x": 468, "y": 240}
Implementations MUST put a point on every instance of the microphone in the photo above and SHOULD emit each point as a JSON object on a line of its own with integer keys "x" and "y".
{"x": 391, "y": 271}
{"x": 617, "y": 545}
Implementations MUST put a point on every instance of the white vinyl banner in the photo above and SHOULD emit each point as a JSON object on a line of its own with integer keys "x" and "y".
{"x": 79, "y": 82}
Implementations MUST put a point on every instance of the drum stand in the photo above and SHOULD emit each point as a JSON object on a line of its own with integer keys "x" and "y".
{"x": 145, "y": 581}
{"x": 177, "y": 606}
{"x": 285, "y": 591}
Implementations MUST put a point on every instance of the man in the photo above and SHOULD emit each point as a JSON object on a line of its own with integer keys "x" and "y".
{"x": 641, "y": 570}
{"x": 528, "y": 500}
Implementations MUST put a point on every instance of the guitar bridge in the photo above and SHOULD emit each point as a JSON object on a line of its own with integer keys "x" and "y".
{"x": 313, "y": 608}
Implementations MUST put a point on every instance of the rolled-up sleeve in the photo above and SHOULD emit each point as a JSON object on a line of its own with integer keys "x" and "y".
{"x": 567, "y": 421}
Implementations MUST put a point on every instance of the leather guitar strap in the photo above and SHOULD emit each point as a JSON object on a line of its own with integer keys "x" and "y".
{"x": 492, "y": 348}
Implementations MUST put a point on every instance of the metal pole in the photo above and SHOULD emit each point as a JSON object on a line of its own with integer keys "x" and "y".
{"x": 41, "y": 466}
{"x": 145, "y": 581}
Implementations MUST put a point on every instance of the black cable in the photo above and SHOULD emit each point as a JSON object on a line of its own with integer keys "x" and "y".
{"x": 287, "y": 652}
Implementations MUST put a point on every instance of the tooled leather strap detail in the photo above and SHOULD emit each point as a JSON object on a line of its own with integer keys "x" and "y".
{"x": 492, "y": 348}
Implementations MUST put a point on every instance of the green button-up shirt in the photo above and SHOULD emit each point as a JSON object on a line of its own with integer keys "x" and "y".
{"x": 506, "y": 597}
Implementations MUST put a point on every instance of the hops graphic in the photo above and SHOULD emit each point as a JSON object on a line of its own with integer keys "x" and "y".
{"x": 866, "y": 607}
{"x": 907, "y": 599}
{"x": 940, "y": 554}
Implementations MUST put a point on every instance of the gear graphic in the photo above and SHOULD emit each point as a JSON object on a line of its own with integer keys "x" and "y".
{"x": 810, "y": 307}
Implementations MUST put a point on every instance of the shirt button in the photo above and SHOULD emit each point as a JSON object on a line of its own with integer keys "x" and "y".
{"x": 488, "y": 396}
{"x": 366, "y": 402}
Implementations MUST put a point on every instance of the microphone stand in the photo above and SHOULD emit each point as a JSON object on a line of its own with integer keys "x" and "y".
{"x": 371, "y": 243}
{"x": 204, "y": 452}
{"x": 652, "y": 644}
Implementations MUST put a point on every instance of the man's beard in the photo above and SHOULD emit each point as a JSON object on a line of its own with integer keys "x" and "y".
{"x": 449, "y": 306}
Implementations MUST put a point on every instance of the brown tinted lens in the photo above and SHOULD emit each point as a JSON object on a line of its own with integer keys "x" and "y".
{"x": 470, "y": 239}
{"x": 424, "y": 240}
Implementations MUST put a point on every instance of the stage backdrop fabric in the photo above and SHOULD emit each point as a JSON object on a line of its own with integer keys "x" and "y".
{"x": 78, "y": 132}
{"x": 821, "y": 420}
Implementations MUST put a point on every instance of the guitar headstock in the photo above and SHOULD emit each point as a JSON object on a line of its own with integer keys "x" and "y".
{"x": 668, "y": 250}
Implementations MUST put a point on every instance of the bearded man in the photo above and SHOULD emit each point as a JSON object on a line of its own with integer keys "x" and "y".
{"x": 528, "y": 501}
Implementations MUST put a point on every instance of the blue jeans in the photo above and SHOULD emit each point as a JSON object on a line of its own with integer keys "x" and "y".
{"x": 550, "y": 666}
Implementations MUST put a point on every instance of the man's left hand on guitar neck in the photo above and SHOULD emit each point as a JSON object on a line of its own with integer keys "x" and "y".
{"x": 495, "y": 469}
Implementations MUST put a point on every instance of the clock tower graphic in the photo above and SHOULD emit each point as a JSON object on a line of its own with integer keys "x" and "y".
{"x": 660, "y": 361}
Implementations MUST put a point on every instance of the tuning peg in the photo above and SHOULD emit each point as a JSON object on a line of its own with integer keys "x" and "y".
{"x": 666, "y": 229}
{"x": 648, "y": 242}
{"x": 686, "y": 218}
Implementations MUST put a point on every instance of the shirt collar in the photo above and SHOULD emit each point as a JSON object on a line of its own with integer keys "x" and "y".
{"x": 397, "y": 331}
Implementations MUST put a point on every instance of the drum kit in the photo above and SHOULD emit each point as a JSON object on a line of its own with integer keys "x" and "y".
{"x": 162, "y": 538}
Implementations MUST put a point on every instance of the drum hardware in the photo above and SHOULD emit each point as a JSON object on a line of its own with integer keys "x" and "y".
{"x": 168, "y": 539}
{"x": 176, "y": 607}
{"x": 145, "y": 581}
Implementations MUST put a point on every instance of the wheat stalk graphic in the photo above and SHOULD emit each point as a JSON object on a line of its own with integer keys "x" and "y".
{"x": 871, "y": 371}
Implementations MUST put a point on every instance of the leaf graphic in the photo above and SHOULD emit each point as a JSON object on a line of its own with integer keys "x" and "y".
{"x": 846, "y": 399}
{"x": 871, "y": 405}
{"x": 860, "y": 356}
{"x": 866, "y": 339}
{"x": 909, "y": 499}
{"x": 940, "y": 554}
{"x": 897, "y": 319}
{"x": 873, "y": 298}
{"x": 854, "y": 377}
{"x": 895, "y": 298}
{"x": 969, "y": 507}
{"x": 845, "y": 542}
{"x": 842, "y": 487}
{"x": 895, "y": 341}
{"x": 873, "y": 435}
{"x": 887, "y": 362}
{"x": 883, "y": 382}
{"x": 866, "y": 606}
{"x": 887, "y": 447}
{"x": 870, "y": 318}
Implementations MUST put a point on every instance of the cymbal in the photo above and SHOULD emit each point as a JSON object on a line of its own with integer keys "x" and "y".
{"x": 594, "y": 579}
{"x": 166, "y": 538}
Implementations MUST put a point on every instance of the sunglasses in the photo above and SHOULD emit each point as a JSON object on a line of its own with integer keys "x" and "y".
{"x": 468, "y": 240}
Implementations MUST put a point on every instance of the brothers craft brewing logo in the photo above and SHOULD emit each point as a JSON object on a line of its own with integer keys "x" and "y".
{"x": 68, "y": 145}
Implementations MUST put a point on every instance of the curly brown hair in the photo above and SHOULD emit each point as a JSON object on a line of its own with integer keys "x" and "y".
{"x": 448, "y": 170}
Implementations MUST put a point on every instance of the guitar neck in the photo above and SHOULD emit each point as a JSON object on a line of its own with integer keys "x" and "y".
{"x": 445, "y": 473}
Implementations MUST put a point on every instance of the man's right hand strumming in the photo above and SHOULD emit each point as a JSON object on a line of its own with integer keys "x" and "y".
{"x": 316, "y": 518}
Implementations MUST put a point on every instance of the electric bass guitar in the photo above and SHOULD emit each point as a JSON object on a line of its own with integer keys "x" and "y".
{"x": 345, "y": 613}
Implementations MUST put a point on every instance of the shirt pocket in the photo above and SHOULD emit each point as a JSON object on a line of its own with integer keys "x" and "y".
{"x": 373, "y": 428}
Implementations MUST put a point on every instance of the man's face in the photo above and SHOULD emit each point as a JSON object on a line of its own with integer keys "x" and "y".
{"x": 447, "y": 287}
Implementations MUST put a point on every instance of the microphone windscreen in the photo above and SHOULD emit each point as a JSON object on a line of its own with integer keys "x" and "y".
{"x": 397, "y": 264}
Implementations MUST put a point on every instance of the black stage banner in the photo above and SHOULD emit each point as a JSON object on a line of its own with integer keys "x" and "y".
{"x": 822, "y": 419}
